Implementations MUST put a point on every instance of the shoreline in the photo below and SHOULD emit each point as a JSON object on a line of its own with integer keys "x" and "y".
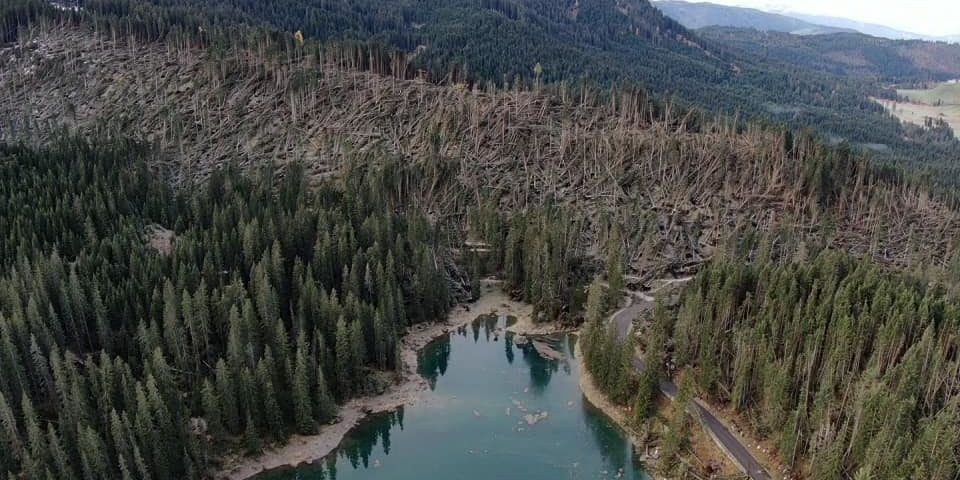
{"x": 600, "y": 401}
{"x": 304, "y": 450}
{"x": 617, "y": 415}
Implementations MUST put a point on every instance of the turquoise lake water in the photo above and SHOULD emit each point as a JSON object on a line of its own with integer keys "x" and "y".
{"x": 473, "y": 423}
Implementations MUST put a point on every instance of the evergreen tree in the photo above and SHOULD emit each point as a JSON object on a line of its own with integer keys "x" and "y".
{"x": 60, "y": 462}
{"x": 226, "y": 392}
{"x": 211, "y": 404}
{"x": 326, "y": 408}
{"x": 251, "y": 439}
{"x": 615, "y": 278}
{"x": 345, "y": 359}
{"x": 9, "y": 435}
{"x": 302, "y": 401}
{"x": 35, "y": 439}
{"x": 93, "y": 456}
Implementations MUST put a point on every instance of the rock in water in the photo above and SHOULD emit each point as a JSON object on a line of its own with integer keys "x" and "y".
{"x": 535, "y": 418}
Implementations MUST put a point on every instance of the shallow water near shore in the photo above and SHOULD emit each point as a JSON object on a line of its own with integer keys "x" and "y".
{"x": 495, "y": 410}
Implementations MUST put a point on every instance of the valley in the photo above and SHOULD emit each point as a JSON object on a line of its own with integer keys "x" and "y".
{"x": 275, "y": 239}
{"x": 940, "y": 102}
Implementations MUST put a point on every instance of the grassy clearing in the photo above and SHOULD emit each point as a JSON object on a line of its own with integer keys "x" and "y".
{"x": 941, "y": 101}
{"x": 942, "y": 94}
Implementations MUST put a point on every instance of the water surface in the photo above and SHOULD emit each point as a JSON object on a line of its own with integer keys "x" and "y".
{"x": 473, "y": 424}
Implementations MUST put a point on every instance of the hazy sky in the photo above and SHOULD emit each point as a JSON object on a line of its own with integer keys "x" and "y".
{"x": 929, "y": 17}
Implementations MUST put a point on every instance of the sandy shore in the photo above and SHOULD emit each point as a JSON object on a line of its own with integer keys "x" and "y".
{"x": 618, "y": 414}
{"x": 524, "y": 324}
{"x": 307, "y": 449}
{"x": 596, "y": 398}
{"x": 700, "y": 444}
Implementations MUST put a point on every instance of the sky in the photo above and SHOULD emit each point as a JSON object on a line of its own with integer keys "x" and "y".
{"x": 928, "y": 17}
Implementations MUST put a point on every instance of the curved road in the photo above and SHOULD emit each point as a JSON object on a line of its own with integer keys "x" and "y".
{"x": 731, "y": 446}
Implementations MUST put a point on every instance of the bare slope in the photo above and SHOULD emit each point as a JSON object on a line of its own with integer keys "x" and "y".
{"x": 677, "y": 188}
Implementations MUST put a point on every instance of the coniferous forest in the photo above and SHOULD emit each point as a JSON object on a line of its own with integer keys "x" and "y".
{"x": 275, "y": 303}
{"x": 169, "y": 295}
{"x": 851, "y": 371}
{"x": 839, "y": 362}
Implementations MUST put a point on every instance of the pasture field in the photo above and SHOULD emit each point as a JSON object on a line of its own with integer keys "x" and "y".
{"x": 944, "y": 93}
{"x": 941, "y": 101}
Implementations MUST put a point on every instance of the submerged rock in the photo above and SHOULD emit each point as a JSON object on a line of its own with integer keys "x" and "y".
{"x": 534, "y": 418}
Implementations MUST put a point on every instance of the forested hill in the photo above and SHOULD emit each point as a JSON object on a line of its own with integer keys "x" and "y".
{"x": 125, "y": 358}
{"x": 604, "y": 42}
{"x": 848, "y": 54}
{"x": 598, "y": 151}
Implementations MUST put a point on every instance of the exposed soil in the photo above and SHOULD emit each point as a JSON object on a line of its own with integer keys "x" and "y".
{"x": 161, "y": 239}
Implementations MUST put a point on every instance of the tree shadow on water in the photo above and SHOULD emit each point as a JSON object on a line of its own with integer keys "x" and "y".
{"x": 433, "y": 360}
{"x": 614, "y": 448}
{"x": 359, "y": 445}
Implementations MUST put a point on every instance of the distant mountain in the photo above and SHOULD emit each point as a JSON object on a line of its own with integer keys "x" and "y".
{"x": 852, "y": 55}
{"x": 868, "y": 28}
{"x": 699, "y": 15}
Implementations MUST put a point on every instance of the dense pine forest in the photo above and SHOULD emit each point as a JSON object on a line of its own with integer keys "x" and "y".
{"x": 851, "y": 371}
{"x": 842, "y": 364}
{"x": 126, "y": 357}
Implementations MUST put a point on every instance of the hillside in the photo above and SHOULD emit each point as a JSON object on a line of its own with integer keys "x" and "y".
{"x": 600, "y": 42}
{"x": 870, "y": 28}
{"x": 700, "y": 14}
{"x": 947, "y": 93}
{"x": 695, "y": 15}
{"x": 697, "y": 181}
{"x": 932, "y": 107}
{"x": 848, "y": 54}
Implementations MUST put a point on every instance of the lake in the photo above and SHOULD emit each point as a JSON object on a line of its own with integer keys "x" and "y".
{"x": 495, "y": 410}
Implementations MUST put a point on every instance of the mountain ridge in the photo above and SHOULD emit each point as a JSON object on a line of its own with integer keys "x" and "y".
{"x": 604, "y": 42}
{"x": 872, "y": 29}
{"x": 697, "y": 15}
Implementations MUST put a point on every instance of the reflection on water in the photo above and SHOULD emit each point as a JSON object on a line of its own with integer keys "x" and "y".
{"x": 486, "y": 416}
{"x": 358, "y": 447}
{"x": 540, "y": 371}
{"x": 432, "y": 361}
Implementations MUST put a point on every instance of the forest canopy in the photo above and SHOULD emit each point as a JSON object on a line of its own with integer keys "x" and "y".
{"x": 842, "y": 364}
{"x": 128, "y": 358}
